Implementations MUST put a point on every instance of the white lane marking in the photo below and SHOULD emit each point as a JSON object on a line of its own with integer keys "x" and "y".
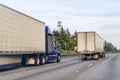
{"x": 77, "y": 71}
{"x": 90, "y": 65}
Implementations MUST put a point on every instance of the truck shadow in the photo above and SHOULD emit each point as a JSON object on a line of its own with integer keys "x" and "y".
{"x": 8, "y": 67}
{"x": 14, "y": 66}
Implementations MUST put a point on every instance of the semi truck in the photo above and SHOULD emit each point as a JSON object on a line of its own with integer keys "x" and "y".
{"x": 27, "y": 37}
{"x": 90, "y": 45}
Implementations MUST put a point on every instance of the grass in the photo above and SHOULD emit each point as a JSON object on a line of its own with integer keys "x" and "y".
{"x": 68, "y": 53}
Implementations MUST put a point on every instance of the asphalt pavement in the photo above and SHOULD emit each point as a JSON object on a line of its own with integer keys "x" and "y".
{"x": 72, "y": 68}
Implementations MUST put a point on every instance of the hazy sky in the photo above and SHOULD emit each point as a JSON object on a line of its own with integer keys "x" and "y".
{"x": 102, "y": 16}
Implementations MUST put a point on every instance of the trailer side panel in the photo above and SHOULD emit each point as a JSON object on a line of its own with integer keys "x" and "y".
{"x": 20, "y": 33}
{"x": 99, "y": 43}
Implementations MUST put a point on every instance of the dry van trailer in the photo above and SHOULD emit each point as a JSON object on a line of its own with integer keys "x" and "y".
{"x": 20, "y": 33}
{"x": 90, "y": 45}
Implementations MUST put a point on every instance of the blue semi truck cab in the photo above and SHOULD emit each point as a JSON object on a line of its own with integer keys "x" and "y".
{"x": 51, "y": 53}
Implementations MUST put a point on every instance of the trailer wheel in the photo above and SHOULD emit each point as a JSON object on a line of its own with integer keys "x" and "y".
{"x": 58, "y": 58}
{"x": 23, "y": 60}
{"x": 42, "y": 60}
{"x": 103, "y": 54}
{"x": 37, "y": 60}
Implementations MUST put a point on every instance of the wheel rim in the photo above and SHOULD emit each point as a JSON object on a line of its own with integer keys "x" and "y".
{"x": 43, "y": 60}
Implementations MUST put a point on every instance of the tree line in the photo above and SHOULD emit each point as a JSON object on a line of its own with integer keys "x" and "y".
{"x": 109, "y": 47}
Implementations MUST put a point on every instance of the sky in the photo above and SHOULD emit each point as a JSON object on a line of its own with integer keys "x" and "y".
{"x": 101, "y": 16}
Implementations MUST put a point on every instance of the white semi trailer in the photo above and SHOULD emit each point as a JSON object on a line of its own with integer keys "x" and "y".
{"x": 90, "y": 45}
{"x": 28, "y": 37}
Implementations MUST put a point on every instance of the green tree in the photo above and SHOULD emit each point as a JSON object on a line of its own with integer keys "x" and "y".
{"x": 109, "y": 47}
{"x": 64, "y": 39}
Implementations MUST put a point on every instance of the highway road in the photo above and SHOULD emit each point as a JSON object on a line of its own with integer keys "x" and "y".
{"x": 72, "y": 68}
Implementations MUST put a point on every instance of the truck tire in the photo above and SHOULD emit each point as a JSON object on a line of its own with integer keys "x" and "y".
{"x": 58, "y": 58}
{"x": 47, "y": 60}
{"x": 103, "y": 54}
{"x": 23, "y": 60}
{"x": 42, "y": 60}
{"x": 37, "y": 60}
